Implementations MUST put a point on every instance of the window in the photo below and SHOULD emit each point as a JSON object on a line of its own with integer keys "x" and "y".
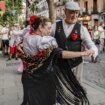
{"x": 86, "y": 6}
{"x": 94, "y": 5}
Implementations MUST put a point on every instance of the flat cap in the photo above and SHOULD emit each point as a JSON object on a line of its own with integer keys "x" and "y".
{"x": 71, "y": 5}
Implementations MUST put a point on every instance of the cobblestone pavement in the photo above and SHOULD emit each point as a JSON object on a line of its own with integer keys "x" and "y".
{"x": 95, "y": 72}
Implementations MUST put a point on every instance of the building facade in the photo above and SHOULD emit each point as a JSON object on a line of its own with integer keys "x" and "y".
{"x": 94, "y": 9}
{"x": 43, "y": 8}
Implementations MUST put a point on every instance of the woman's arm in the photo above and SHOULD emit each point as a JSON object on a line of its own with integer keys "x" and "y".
{"x": 71, "y": 54}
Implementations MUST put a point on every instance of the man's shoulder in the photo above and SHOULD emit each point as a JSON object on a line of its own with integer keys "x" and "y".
{"x": 59, "y": 22}
{"x": 55, "y": 23}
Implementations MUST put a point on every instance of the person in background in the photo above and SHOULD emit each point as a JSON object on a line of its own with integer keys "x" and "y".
{"x": 96, "y": 42}
{"x": 25, "y": 30}
{"x": 1, "y": 38}
{"x": 101, "y": 36}
{"x": 12, "y": 43}
{"x": 5, "y": 40}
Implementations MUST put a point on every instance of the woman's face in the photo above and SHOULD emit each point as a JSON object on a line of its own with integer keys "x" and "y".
{"x": 47, "y": 28}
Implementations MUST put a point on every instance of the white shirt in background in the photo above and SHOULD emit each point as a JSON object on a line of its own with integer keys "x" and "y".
{"x": 101, "y": 32}
{"x": 5, "y": 36}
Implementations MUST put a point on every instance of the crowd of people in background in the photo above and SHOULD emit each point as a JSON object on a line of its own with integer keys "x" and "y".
{"x": 98, "y": 36}
{"x": 10, "y": 37}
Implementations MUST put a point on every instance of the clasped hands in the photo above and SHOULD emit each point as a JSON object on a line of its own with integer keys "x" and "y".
{"x": 90, "y": 53}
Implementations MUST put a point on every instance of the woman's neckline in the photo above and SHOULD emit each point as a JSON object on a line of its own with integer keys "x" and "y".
{"x": 36, "y": 34}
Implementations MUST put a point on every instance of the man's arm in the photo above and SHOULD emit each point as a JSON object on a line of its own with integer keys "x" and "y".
{"x": 72, "y": 54}
{"x": 85, "y": 36}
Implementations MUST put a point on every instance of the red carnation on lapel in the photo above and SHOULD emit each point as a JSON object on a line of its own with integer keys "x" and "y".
{"x": 74, "y": 36}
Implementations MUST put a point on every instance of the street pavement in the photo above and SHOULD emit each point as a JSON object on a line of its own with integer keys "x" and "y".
{"x": 11, "y": 88}
{"x": 94, "y": 80}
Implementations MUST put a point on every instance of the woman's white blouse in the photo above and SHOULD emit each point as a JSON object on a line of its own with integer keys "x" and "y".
{"x": 33, "y": 44}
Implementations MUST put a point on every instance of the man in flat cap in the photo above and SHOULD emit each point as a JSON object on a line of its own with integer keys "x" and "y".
{"x": 70, "y": 35}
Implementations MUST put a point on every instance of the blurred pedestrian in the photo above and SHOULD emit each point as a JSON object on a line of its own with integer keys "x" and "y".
{"x": 101, "y": 36}
{"x": 5, "y": 40}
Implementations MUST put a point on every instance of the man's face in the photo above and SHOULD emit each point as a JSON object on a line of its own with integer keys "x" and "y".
{"x": 47, "y": 28}
{"x": 71, "y": 16}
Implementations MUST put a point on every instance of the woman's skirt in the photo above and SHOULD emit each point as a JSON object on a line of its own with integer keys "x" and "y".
{"x": 39, "y": 88}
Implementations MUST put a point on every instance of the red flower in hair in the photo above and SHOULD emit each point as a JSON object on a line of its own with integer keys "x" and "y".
{"x": 73, "y": 36}
{"x": 32, "y": 19}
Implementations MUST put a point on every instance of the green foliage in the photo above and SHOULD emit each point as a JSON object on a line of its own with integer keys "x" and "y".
{"x": 13, "y": 10}
{"x": 33, "y": 7}
{"x": 64, "y": 1}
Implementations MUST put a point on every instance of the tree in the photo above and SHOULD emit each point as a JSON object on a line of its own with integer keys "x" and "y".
{"x": 33, "y": 7}
{"x": 52, "y": 10}
{"x": 13, "y": 10}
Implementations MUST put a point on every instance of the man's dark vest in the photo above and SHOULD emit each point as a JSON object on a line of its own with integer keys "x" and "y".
{"x": 68, "y": 43}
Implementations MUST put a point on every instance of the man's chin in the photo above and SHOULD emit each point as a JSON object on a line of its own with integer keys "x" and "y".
{"x": 72, "y": 22}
